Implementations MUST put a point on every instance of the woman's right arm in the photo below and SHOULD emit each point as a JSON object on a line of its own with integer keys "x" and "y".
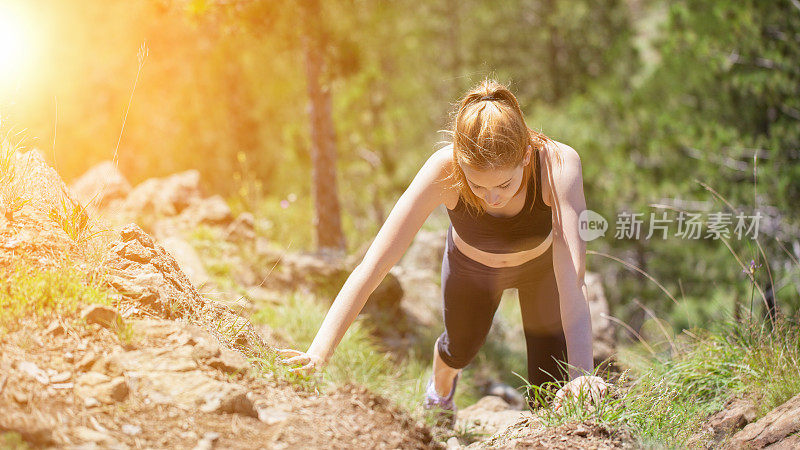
{"x": 422, "y": 196}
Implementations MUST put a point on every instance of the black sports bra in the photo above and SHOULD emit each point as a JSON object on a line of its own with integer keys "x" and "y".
{"x": 523, "y": 231}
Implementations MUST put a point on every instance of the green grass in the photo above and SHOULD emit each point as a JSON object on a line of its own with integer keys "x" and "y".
{"x": 30, "y": 291}
{"x": 671, "y": 397}
{"x": 12, "y": 440}
{"x": 358, "y": 358}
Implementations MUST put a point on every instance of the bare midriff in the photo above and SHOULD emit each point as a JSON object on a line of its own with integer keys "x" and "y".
{"x": 501, "y": 259}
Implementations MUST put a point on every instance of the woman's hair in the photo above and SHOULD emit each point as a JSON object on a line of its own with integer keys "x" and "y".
{"x": 489, "y": 132}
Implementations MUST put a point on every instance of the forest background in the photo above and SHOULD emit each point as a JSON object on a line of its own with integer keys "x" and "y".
{"x": 672, "y": 106}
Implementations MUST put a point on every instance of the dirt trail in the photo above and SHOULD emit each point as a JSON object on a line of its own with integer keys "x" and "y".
{"x": 175, "y": 386}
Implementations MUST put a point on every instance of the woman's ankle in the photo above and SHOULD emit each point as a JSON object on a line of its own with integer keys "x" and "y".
{"x": 443, "y": 383}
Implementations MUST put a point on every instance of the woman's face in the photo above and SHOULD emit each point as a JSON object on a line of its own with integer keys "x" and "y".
{"x": 497, "y": 186}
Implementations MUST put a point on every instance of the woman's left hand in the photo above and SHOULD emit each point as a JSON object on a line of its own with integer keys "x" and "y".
{"x": 593, "y": 388}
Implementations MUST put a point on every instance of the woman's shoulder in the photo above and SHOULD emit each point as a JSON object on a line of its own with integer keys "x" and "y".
{"x": 442, "y": 161}
{"x": 444, "y": 156}
{"x": 562, "y": 164}
{"x": 562, "y": 154}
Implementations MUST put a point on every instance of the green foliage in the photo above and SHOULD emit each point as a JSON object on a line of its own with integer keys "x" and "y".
{"x": 668, "y": 399}
{"x": 714, "y": 105}
{"x": 671, "y": 398}
{"x": 358, "y": 359}
{"x": 27, "y": 291}
{"x": 12, "y": 440}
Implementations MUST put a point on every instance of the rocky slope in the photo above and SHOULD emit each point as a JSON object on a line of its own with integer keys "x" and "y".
{"x": 162, "y": 367}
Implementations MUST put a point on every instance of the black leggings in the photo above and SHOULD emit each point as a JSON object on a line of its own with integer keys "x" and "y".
{"x": 472, "y": 292}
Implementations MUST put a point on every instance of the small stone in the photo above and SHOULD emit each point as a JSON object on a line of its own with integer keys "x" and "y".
{"x": 89, "y": 435}
{"x": 580, "y": 430}
{"x": 118, "y": 389}
{"x": 212, "y": 436}
{"x": 19, "y": 397}
{"x": 69, "y": 357}
{"x": 102, "y": 387}
{"x": 90, "y": 402}
{"x": 86, "y": 362}
{"x": 55, "y": 329}
{"x": 272, "y": 415}
{"x": 207, "y": 442}
{"x": 131, "y": 430}
{"x": 453, "y": 444}
{"x": 102, "y": 315}
{"x": 205, "y": 349}
{"x": 230, "y": 361}
{"x": 60, "y": 377}
{"x": 33, "y": 371}
{"x": 229, "y": 398}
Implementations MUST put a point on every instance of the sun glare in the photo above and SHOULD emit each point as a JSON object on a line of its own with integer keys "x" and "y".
{"x": 15, "y": 49}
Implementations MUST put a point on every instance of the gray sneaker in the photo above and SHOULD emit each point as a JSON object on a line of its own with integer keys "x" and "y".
{"x": 445, "y": 406}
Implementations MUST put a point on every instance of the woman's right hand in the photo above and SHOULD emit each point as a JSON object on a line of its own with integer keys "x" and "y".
{"x": 309, "y": 363}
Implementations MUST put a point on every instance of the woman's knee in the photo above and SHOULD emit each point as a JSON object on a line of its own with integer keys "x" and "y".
{"x": 456, "y": 355}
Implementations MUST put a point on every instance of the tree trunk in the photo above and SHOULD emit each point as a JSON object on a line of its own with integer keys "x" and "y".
{"x": 327, "y": 221}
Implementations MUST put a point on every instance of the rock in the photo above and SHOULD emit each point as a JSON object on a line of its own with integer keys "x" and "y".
{"x": 489, "y": 415}
{"x": 131, "y": 430}
{"x": 789, "y": 443}
{"x": 159, "y": 285}
{"x": 102, "y": 387}
{"x": 271, "y": 415}
{"x": 735, "y": 414}
{"x": 510, "y": 395}
{"x": 205, "y": 349}
{"x": 425, "y": 252}
{"x": 230, "y": 361}
{"x": 54, "y": 329}
{"x": 100, "y": 185}
{"x": 188, "y": 260}
{"x": 33, "y": 371}
{"x": 167, "y": 376}
{"x": 261, "y": 294}
{"x": 773, "y": 428}
{"x": 228, "y": 398}
{"x": 207, "y": 442}
{"x": 135, "y": 251}
{"x": 19, "y": 397}
{"x": 60, "y": 377}
{"x": 213, "y": 210}
{"x": 102, "y": 315}
{"x": 326, "y": 271}
{"x": 387, "y": 296}
{"x": 160, "y": 288}
{"x": 164, "y": 196}
{"x": 88, "y": 435}
{"x": 243, "y": 228}
{"x": 86, "y": 363}
{"x": 453, "y": 444}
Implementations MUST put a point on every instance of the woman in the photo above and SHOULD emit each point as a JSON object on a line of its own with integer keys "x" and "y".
{"x": 513, "y": 197}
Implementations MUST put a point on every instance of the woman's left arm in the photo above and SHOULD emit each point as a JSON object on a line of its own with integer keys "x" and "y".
{"x": 569, "y": 260}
